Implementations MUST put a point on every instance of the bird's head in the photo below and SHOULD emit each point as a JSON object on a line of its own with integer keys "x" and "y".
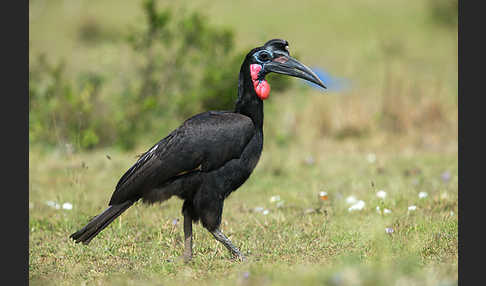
{"x": 274, "y": 57}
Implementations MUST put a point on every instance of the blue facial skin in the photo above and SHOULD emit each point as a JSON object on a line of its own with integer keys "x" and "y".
{"x": 263, "y": 56}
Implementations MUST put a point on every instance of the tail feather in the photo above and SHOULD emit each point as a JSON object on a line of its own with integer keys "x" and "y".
{"x": 100, "y": 222}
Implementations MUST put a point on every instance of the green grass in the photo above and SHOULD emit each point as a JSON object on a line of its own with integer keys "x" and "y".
{"x": 306, "y": 239}
{"x": 399, "y": 63}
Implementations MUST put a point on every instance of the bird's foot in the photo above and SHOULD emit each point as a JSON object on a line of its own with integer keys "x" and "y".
{"x": 239, "y": 256}
{"x": 227, "y": 243}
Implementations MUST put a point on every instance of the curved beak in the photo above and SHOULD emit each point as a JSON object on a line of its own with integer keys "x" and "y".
{"x": 284, "y": 64}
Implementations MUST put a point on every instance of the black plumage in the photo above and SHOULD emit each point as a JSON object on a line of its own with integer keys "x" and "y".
{"x": 209, "y": 156}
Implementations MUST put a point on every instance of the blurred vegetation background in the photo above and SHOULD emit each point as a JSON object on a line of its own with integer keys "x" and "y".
{"x": 122, "y": 73}
{"x": 109, "y": 78}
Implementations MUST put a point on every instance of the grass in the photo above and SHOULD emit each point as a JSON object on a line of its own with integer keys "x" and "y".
{"x": 401, "y": 110}
{"x": 305, "y": 239}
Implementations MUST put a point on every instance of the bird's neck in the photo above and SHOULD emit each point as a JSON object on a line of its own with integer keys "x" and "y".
{"x": 248, "y": 103}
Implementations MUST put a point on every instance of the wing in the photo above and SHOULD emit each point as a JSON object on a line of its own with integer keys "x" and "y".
{"x": 204, "y": 142}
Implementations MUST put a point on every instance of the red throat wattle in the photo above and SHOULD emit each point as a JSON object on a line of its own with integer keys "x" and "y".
{"x": 262, "y": 88}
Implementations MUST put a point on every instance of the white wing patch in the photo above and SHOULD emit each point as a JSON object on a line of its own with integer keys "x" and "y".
{"x": 153, "y": 149}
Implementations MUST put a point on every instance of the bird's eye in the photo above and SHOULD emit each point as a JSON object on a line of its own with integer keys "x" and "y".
{"x": 264, "y": 56}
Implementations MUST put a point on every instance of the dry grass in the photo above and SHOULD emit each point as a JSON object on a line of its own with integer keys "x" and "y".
{"x": 395, "y": 129}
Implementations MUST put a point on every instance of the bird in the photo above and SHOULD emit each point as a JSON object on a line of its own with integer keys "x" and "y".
{"x": 209, "y": 156}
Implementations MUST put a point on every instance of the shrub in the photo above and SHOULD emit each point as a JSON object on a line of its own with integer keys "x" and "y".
{"x": 60, "y": 112}
{"x": 444, "y": 12}
{"x": 187, "y": 66}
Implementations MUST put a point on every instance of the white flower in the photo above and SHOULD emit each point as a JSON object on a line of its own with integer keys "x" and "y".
{"x": 274, "y": 199}
{"x": 265, "y": 212}
{"x": 351, "y": 200}
{"x": 389, "y": 230}
{"x": 412, "y": 208}
{"x": 67, "y": 206}
{"x": 422, "y": 195}
{"x": 309, "y": 211}
{"x": 381, "y": 194}
{"x": 258, "y": 209}
{"x": 378, "y": 209}
{"x": 387, "y": 211}
{"x": 53, "y": 205}
{"x": 359, "y": 205}
{"x": 371, "y": 157}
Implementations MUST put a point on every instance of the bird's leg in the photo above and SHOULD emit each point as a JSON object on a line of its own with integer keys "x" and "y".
{"x": 227, "y": 243}
{"x": 187, "y": 237}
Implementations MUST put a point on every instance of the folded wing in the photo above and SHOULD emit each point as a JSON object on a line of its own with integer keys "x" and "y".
{"x": 204, "y": 142}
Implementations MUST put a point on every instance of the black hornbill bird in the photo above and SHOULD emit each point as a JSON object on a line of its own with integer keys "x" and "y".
{"x": 208, "y": 157}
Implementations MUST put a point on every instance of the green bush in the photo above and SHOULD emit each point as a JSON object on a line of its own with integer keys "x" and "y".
{"x": 187, "y": 66}
{"x": 60, "y": 112}
{"x": 444, "y": 12}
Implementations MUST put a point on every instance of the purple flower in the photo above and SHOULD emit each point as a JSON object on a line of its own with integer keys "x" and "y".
{"x": 309, "y": 160}
{"x": 446, "y": 176}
